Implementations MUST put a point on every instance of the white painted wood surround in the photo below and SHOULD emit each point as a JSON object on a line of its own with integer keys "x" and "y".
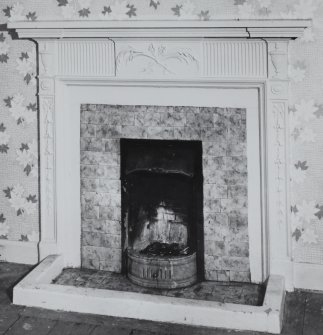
{"x": 240, "y": 63}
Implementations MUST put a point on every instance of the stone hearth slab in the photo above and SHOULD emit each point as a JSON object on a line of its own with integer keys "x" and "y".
{"x": 37, "y": 290}
{"x": 237, "y": 293}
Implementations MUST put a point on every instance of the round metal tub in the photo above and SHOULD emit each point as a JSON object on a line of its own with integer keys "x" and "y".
{"x": 162, "y": 272}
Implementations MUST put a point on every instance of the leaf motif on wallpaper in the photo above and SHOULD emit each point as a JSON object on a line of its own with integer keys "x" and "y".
{"x": 19, "y": 201}
{"x": 177, "y": 10}
{"x": 154, "y": 3}
{"x": 23, "y": 238}
{"x": 4, "y": 228}
{"x": 297, "y": 234}
{"x": 7, "y": 192}
{"x": 185, "y": 10}
{"x": 299, "y": 117}
{"x": 307, "y": 211}
{"x": 239, "y": 2}
{"x": 24, "y": 55}
{"x": 106, "y": 10}
{"x": 27, "y": 78}
{"x": 306, "y": 236}
{"x": 132, "y": 11}
{"x": 26, "y": 66}
{"x": 307, "y": 135}
{"x": 118, "y": 10}
{"x": 4, "y": 58}
{"x": 303, "y": 216}
{"x": 27, "y": 156}
{"x": 298, "y": 172}
{"x": 295, "y": 133}
{"x": 32, "y": 107}
{"x": 84, "y": 12}
{"x": 31, "y": 16}
{"x": 319, "y": 214}
{"x": 4, "y": 139}
{"x": 297, "y": 71}
{"x": 15, "y": 12}
{"x": 264, "y": 11}
{"x": 4, "y": 49}
{"x": 32, "y": 199}
{"x": 7, "y": 11}
{"x": 7, "y": 101}
{"x": 204, "y": 15}
{"x": 308, "y": 35}
{"x": 4, "y": 148}
{"x": 21, "y": 113}
{"x": 319, "y": 112}
{"x": 62, "y": 3}
{"x": 309, "y": 236}
{"x": 301, "y": 165}
{"x": 24, "y": 147}
{"x": 33, "y": 237}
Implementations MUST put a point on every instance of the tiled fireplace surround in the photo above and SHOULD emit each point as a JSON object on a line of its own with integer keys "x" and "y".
{"x": 223, "y": 135}
{"x": 234, "y": 68}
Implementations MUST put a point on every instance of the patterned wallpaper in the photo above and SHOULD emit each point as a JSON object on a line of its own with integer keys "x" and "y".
{"x": 19, "y": 198}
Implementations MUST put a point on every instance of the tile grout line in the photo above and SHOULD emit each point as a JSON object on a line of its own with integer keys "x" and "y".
{"x": 20, "y": 316}
{"x": 50, "y": 331}
{"x": 304, "y": 313}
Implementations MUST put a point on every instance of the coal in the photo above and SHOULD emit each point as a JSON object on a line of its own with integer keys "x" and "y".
{"x": 159, "y": 249}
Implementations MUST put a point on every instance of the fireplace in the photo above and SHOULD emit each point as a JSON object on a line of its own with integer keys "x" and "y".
{"x": 161, "y": 184}
{"x": 241, "y": 64}
{"x": 164, "y": 184}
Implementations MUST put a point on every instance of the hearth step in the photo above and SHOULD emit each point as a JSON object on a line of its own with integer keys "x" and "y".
{"x": 238, "y": 293}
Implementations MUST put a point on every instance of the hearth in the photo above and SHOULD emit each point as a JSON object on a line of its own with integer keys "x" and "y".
{"x": 162, "y": 212}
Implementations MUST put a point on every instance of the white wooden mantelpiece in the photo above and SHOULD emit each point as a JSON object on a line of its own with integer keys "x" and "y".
{"x": 98, "y": 55}
{"x": 239, "y": 63}
{"x": 176, "y": 28}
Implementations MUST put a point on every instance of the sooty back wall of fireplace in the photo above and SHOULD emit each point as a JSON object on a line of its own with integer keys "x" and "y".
{"x": 162, "y": 199}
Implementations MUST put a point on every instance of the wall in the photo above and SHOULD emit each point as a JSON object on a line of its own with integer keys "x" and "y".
{"x": 19, "y": 199}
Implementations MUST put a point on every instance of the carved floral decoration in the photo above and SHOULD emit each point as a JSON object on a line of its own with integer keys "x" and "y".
{"x": 157, "y": 58}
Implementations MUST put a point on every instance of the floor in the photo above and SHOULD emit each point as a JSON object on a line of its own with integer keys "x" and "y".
{"x": 303, "y": 316}
{"x": 236, "y": 293}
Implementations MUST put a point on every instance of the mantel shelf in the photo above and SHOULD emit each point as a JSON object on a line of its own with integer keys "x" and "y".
{"x": 280, "y": 28}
